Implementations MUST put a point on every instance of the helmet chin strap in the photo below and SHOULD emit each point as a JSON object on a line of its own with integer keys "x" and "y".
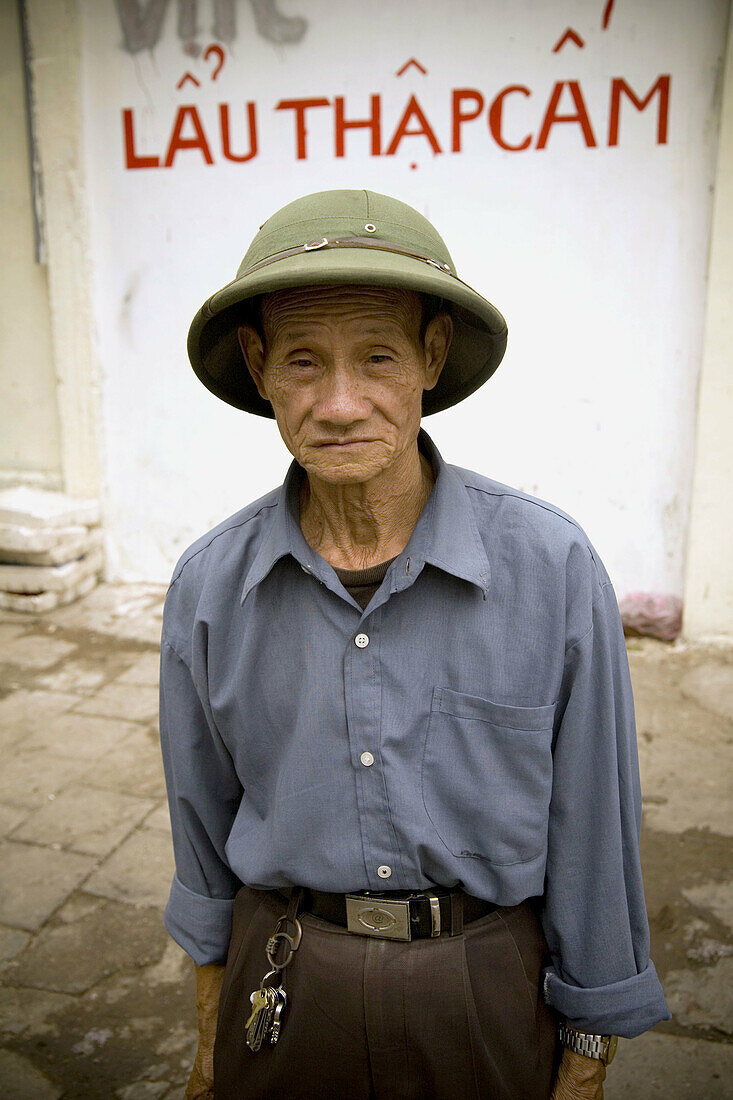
{"x": 348, "y": 242}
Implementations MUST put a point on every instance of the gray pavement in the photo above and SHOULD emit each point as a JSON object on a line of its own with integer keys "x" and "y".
{"x": 97, "y": 1002}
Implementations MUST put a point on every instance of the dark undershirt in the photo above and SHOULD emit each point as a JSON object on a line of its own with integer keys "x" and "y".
{"x": 363, "y": 583}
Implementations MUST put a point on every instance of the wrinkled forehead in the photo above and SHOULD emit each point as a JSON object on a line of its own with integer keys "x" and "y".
{"x": 302, "y": 306}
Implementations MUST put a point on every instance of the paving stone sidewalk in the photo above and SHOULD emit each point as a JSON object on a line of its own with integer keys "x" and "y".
{"x": 95, "y": 999}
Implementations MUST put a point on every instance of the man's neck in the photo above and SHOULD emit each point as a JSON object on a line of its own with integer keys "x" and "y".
{"x": 355, "y": 526}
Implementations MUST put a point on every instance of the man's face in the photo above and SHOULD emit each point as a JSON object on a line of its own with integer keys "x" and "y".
{"x": 344, "y": 369}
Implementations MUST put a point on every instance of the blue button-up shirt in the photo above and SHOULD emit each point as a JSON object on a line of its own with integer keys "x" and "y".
{"x": 486, "y": 682}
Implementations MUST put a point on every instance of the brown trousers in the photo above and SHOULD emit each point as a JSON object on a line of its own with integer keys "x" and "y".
{"x": 451, "y": 1018}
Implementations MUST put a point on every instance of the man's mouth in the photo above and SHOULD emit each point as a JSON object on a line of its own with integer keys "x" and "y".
{"x": 342, "y": 442}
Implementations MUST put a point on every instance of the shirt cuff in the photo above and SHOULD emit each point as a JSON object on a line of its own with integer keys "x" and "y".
{"x": 624, "y": 1008}
{"x": 202, "y": 926}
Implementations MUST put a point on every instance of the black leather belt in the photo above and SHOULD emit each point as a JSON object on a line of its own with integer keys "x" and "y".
{"x": 407, "y": 915}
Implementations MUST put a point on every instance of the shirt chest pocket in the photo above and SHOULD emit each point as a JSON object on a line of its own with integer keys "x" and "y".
{"x": 487, "y": 776}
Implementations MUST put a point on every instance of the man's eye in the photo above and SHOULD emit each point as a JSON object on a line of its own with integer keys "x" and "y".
{"x": 301, "y": 362}
{"x": 380, "y": 359}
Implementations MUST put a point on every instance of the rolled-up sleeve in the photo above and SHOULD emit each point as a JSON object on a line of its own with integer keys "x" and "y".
{"x": 204, "y": 793}
{"x": 594, "y": 913}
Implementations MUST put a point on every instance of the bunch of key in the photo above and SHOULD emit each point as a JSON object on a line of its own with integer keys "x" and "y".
{"x": 265, "y": 1020}
{"x": 268, "y": 1002}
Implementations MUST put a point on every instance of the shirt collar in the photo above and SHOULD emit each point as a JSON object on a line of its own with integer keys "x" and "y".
{"x": 446, "y": 534}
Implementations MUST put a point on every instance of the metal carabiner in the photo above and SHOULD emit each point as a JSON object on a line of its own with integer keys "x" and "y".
{"x": 293, "y": 941}
{"x": 285, "y": 919}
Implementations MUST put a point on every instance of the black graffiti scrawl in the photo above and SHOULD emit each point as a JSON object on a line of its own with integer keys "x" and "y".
{"x": 142, "y": 23}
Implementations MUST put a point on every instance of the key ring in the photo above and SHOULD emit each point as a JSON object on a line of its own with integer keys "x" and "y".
{"x": 268, "y": 1002}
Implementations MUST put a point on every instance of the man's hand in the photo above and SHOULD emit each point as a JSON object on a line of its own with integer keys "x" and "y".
{"x": 208, "y": 987}
{"x": 579, "y": 1078}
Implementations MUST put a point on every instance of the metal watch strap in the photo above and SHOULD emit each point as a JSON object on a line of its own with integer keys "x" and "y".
{"x": 602, "y": 1047}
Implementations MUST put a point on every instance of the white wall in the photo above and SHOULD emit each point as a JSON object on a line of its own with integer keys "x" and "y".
{"x": 596, "y": 255}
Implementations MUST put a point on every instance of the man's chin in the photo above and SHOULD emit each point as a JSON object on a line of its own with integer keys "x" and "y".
{"x": 346, "y": 463}
{"x": 343, "y": 468}
{"x": 345, "y": 474}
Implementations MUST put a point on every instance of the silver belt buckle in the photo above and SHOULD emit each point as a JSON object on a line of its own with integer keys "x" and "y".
{"x": 388, "y": 919}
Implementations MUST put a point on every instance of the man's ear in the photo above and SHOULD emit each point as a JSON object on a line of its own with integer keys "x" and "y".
{"x": 438, "y": 336}
{"x": 254, "y": 356}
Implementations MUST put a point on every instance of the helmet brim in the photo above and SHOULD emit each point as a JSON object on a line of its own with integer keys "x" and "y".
{"x": 479, "y": 330}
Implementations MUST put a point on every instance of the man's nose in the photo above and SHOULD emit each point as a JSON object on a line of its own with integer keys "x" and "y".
{"x": 339, "y": 399}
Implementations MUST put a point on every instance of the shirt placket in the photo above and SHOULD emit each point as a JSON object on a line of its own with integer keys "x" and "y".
{"x": 363, "y": 693}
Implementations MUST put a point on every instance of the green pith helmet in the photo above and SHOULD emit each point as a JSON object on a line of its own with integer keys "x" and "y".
{"x": 352, "y": 238}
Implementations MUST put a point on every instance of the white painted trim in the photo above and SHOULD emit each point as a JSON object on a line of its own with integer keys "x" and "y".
{"x": 708, "y": 610}
{"x": 35, "y": 479}
{"x": 54, "y": 36}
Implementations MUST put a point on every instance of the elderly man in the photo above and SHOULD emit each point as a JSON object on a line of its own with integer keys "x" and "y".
{"x": 396, "y": 715}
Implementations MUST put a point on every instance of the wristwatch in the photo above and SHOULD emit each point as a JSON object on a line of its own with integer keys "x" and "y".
{"x": 602, "y": 1047}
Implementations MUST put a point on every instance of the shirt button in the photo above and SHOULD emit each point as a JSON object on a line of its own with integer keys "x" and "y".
{"x": 384, "y": 871}
{"x": 367, "y": 759}
{"x": 362, "y": 640}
